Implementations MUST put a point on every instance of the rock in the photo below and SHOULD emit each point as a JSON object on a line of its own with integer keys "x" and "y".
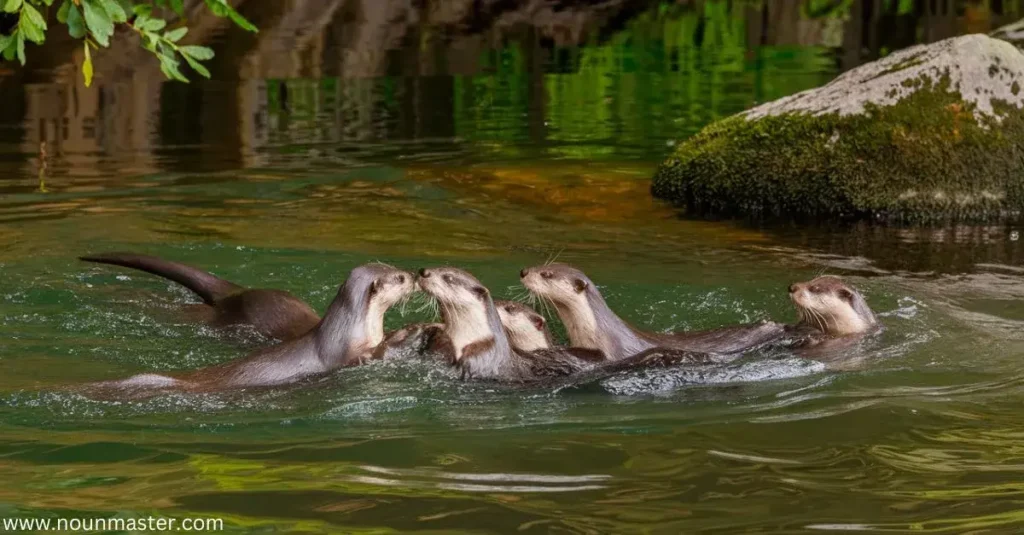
{"x": 1014, "y": 33}
{"x": 931, "y": 132}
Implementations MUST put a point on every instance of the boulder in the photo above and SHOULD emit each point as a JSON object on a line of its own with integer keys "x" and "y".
{"x": 1014, "y": 33}
{"x": 930, "y": 132}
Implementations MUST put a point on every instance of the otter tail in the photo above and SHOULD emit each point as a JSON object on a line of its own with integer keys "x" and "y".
{"x": 207, "y": 286}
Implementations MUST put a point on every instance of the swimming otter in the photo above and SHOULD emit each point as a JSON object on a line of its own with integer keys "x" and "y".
{"x": 352, "y": 332}
{"x": 480, "y": 347}
{"x": 274, "y": 313}
{"x": 592, "y": 325}
{"x": 832, "y": 314}
{"x": 526, "y": 329}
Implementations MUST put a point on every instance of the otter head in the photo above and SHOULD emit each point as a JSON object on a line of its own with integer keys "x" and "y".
{"x": 354, "y": 322}
{"x": 563, "y": 285}
{"x": 832, "y": 306}
{"x": 385, "y": 285}
{"x": 470, "y": 319}
{"x": 526, "y": 329}
{"x": 586, "y": 317}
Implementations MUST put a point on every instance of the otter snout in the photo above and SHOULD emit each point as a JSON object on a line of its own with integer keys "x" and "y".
{"x": 423, "y": 279}
{"x": 524, "y": 272}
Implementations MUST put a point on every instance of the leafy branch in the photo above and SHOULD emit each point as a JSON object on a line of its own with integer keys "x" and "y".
{"x": 94, "y": 22}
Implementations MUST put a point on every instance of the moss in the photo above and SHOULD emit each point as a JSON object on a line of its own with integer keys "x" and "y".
{"x": 927, "y": 157}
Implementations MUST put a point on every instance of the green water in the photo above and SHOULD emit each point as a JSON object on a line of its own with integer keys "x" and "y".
{"x": 542, "y": 152}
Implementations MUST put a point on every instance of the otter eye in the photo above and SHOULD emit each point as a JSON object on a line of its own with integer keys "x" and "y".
{"x": 448, "y": 279}
{"x": 508, "y": 309}
{"x": 815, "y": 289}
{"x": 401, "y": 278}
{"x": 547, "y": 274}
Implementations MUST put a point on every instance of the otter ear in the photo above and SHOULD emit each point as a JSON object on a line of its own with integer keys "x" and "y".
{"x": 845, "y": 295}
{"x": 538, "y": 322}
{"x": 579, "y": 285}
{"x": 375, "y": 287}
{"x": 480, "y": 292}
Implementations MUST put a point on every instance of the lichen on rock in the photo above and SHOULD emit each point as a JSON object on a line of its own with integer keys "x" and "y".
{"x": 931, "y": 132}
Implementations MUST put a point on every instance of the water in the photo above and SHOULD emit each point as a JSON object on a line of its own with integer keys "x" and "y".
{"x": 540, "y": 144}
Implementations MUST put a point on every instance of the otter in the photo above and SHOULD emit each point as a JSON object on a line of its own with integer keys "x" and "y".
{"x": 481, "y": 349}
{"x": 273, "y": 313}
{"x": 591, "y": 323}
{"x": 832, "y": 314}
{"x": 526, "y": 329}
{"x": 351, "y": 333}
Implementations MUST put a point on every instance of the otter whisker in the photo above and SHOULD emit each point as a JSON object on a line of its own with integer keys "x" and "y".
{"x": 521, "y": 294}
{"x": 552, "y": 260}
{"x": 822, "y": 322}
{"x": 547, "y": 304}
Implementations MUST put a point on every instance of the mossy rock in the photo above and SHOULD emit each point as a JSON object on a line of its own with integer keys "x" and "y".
{"x": 931, "y": 132}
{"x": 1014, "y": 33}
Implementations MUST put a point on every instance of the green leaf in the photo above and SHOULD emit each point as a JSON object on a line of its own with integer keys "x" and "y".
{"x": 98, "y": 21}
{"x": 169, "y": 66}
{"x": 32, "y": 24}
{"x": 154, "y": 25}
{"x": 76, "y": 25}
{"x": 62, "y": 13}
{"x": 241, "y": 21}
{"x": 217, "y": 7}
{"x": 175, "y": 35}
{"x": 21, "y": 48}
{"x": 143, "y": 10}
{"x": 196, "y": 66}
{"x": 87, "y": 66}
{"x": 115, "y": 11}
{"x": 12, "y": 6}
{"x": 197, "y": 52}
{"x": 179, "y": 7}
{"x": 222, "y": 9}
{"x": 165, "y": 49}
{"x": 34, "y": 15}
{"x": 5, "y": 41}
{"x": 11, "y": 47}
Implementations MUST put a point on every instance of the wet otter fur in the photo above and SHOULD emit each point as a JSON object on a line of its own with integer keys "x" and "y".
{"x": 833, "y": 316}
{"x": 593, "y": 325}
{"x": 481, "y": 349}
{"x": 273, "y": 313}
{"x": 351, "y": 333}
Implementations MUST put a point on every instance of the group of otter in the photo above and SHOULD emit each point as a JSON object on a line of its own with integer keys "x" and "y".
{"x": 483, "y": 338}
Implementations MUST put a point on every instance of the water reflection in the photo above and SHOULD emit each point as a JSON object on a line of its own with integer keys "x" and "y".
{"x": 327, "y": 81}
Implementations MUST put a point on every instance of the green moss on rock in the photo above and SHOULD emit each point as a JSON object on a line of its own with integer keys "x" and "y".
{"x": 933, "y": 154}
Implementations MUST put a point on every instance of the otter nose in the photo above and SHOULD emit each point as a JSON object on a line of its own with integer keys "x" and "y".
{"x": 524, "y": 272}
{"x": 793, "y": 288}
{"x": 424, "y": 273}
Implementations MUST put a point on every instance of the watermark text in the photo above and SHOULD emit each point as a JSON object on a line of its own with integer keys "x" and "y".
{"x": 88, "y": 525}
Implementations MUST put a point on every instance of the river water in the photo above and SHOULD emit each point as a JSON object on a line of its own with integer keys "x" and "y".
{"x": 538, "y": 150}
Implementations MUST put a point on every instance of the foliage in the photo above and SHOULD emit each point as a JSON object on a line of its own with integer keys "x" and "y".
{"x": 94, "y": 22}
